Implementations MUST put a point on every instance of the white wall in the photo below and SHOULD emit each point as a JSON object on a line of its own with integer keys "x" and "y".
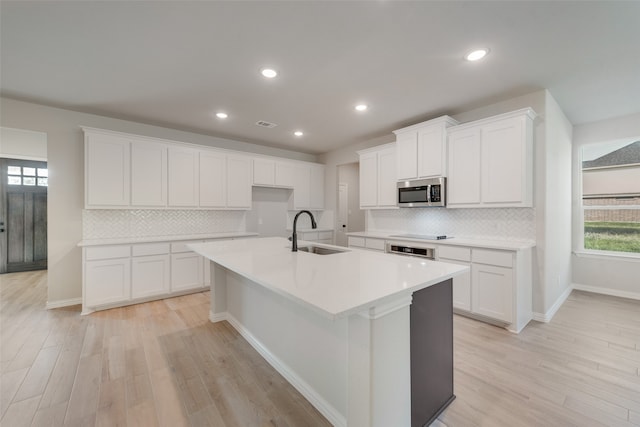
{"x": 65, "y": 157}
{"x": 23, "y": 144}
{"x": 350, "y": 174}
{"x": 612, "y": 275}
{"x": 268, "y": 214}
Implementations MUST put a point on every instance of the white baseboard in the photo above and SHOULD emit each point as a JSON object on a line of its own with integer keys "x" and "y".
{"x": 63, "y": 303}
{"x": 329, "y": 412}
{"x": 546, "y": 317}
{"x": 217, "y": 317}
{"x": 607, "y": 291}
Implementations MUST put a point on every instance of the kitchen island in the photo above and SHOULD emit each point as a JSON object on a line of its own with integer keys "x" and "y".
{"x": 341, "y": 328}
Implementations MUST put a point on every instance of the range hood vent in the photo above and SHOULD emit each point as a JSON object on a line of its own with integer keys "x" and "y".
{"x": 265, "y": 124}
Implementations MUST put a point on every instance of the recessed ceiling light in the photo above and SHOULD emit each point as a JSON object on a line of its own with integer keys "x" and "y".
{"x": 361, "y": 107}
{"x": 477, "y": 54}
{"x": 269, "y": 73}
{"x": 298, "y": 133}
{"x": 222, "y": 115}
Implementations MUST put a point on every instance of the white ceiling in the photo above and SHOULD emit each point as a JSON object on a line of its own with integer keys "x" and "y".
{"x": 175, "y": 63}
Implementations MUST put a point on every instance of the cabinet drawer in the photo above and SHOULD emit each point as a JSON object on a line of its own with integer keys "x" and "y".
{"x": 356, "y": 241}
{"x": 325, "y": 235}
{"x": 180, "y": 247}
{"x": 107, "y": 252}
{"x": 452, "y": 252}
{"x": 150, "y": 249}
{"x": 376, "y": 244}
{"x": 500, "y": 258}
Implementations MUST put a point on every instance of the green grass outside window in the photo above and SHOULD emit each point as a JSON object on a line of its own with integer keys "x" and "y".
{"x": 612, "y": 236}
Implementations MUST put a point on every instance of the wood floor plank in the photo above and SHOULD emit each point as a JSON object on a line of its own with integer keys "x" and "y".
{"x": 52, "y": 416}
{"x": 37, "y": 378}
{"x": 85, "y": 395}
{"x": 9, "y": 384}
{"x": 20, "y": 414}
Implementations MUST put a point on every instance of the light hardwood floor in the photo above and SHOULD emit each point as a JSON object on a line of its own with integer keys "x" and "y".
{"x": 163, "y": 363}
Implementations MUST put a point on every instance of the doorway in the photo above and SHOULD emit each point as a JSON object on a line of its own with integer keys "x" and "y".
{"x": 350, "y": 217}
{"x": 23, "y": 215}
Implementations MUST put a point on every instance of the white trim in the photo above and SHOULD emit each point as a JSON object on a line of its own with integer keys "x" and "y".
{"x": 20, "y": 157}
{"x": 218, "y": 317}
{"x": 610, "y": 208}
{"x": 329, "y": 412}
{"x": 619, "y": 256}
{"x": 63, "y": 303}
{"x": 546, "y": 317}
{"x": 607, "y": 291}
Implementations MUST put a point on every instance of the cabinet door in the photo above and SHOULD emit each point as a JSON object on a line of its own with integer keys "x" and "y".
{"x": 301, "y": 187}
{"x": 432, "y": 152}
{"x": 387, "y": 177}
{"x": 503, "y": 168}
{"x": 186, "y": 271}
{"x": 213, "y": 179}
{"x": 463, "y": 184}
{"x": 316, "y": 187}
{"x": 148, "y": 174}
{"x": 284, "y": 175}
{"x": 183, "y": 176}
{"x": 461, "y": 287}
{"x": 492, "y": 291}
{"x": 264, "y": 172}
{"x": 369, "y": 180}
{"x": 238, "y": 182}
{"x": 407, "y": 147}
{"x": 149, "y": 276}
{"x": 107, "y": 281}
{"x": 107, "y": 170}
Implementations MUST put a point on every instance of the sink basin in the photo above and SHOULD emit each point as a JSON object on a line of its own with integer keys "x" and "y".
{"x": 320, "y": 250}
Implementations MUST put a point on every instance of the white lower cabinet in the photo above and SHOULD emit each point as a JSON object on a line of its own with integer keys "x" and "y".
{"x": 150, "y": 270}
{"x": 492, "y": 291}
{"x": 107, "y": 281}
{"x": 186, "y": 268}
{"x": 498, "y": 287}
{"x": 106, "y": 275}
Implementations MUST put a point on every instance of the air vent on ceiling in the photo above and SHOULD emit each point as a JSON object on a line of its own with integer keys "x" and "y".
{"x": 265, "y": 124}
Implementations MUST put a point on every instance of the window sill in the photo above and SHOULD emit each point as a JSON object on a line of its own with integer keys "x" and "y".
{"x": 622, "y": 256}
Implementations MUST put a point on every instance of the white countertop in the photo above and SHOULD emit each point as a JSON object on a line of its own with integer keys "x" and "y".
{"x": 334, "y": 285}
{"x": 509, "y": 245}
{"x": 172, "y": 238}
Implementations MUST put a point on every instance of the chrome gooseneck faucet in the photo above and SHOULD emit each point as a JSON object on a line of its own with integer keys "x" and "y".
{"x": 294, "y": 237}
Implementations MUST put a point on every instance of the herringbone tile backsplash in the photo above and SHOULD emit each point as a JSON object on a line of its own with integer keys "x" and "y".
{"x": 494, "y": 224}
{"x": 101, "y": 224}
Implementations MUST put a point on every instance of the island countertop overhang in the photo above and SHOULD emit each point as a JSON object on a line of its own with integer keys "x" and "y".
{"x": 336, "y": 285}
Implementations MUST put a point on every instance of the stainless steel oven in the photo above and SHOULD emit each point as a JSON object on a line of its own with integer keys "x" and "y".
{"x": 422, "y": 193}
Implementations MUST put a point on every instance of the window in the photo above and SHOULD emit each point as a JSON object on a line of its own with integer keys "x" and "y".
{"x": 18, "y": 175}
{"x": 611, "y": 196}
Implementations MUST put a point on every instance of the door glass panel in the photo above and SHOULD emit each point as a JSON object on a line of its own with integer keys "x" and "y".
{"x": 14, "y": 180}
{"x": 43, "y": 172}
{"x": 14, "y": 170}
{"x": 29, "y": 171}
{"x": 28, "y": 180}
{"x": 43, "y": 182}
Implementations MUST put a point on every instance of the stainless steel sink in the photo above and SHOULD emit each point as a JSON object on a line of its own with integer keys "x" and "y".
{"x": 320, "y": 250}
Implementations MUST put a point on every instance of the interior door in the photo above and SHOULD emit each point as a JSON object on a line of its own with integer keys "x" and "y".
{"x": 23, "y": 215}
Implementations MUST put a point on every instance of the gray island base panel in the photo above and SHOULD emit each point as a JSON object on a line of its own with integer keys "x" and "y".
{"x": 342, "y": 328}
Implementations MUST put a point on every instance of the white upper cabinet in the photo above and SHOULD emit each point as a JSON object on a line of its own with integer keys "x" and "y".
{"x": 491, "y": 162}
{"x": 378, "y": 177}
{"x": 301, "y": 186}
{"x": 107, "y": 170}
{"x": 239, "y": 182}
{"x": 183, "y": 177}
{"x": 213, "y": 179}
{"x": 421, "y": 149}
{"x": 148, "y": 173}
{"x": 463, "y": 184}
{"x": 272, "y": 173}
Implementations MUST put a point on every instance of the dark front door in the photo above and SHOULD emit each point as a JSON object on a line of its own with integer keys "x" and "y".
{"x": 23, "y": 215}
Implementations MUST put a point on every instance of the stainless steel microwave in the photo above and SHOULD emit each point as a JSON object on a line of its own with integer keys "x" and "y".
{"x": 422, "y": 193}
